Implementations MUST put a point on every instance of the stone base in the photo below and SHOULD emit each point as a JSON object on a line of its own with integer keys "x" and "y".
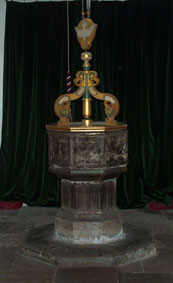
{"x": 88, "y": 229}
{"x": 136, "y": 244}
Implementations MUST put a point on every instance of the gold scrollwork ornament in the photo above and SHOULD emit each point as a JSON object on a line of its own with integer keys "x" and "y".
{"x": 80, "y": 79}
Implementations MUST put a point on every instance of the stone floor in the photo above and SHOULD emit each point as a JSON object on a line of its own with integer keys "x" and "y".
{"x": 15, "y": 268}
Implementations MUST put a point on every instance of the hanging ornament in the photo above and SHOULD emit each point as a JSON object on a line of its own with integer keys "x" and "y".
{"x": 86, "y": 31}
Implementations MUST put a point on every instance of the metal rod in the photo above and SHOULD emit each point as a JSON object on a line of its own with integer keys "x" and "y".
{"x": 68, "y": 38}
{"x": 83, "y": 9}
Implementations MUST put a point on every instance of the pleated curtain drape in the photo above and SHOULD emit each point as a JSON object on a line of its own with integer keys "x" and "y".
{"x": 132, "y": 54}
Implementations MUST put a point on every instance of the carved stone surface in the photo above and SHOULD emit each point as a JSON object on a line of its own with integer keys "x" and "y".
{"x": 86, "y": 152}
{"x": 88, "y": 156}
{"x": 88, "y": 164}
{"x": 116, "y": 149}
{"x": 81, "y": 197}
{"x": 59, "y": 149}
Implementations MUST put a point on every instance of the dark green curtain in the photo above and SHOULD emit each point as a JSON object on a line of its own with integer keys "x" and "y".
{"x": 133, "y": 55}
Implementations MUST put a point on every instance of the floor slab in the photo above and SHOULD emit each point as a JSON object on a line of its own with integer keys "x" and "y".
{"x": 8, "y": 257}
{"x": 144, "y": 214}
{"x": 164, "y": 241}
{"x": 163, "y": 227}
{"x": 26, "y": 276}
{"x": 15, "y": 227}
{"x": 6, "y": 212}
{"x": 24, "y": 263}
{"x": 12, "y": 240}
{"x": 26, "y": 211}
{"x": 86, "y": 275}
{"x": 145, "y": 278}
{"x": 15, "y": 268}
{"x": 161, "y": 263}
{"x": 131, "y": 268}
{"x": 169, "y": 214}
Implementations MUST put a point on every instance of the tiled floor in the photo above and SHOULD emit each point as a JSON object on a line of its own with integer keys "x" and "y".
{"x": 15, "y": 268}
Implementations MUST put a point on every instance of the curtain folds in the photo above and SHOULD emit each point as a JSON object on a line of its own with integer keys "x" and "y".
{"x": 132, "y": 55}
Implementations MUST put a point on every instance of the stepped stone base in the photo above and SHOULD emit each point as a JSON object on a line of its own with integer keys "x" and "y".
{"x": 135, "y": 244}
{"x": 88, "y": 230}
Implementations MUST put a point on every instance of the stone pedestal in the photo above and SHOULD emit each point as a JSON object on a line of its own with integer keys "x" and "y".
{"x": 88, "y": 230}
{"x": 88, "y": 213}
{"x": 89, "y": 164}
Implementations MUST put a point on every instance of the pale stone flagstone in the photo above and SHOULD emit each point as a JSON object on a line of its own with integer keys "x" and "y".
{"x": 15, "y": 268}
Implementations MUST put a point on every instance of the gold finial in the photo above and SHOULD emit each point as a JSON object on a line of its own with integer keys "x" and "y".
{"x": 86, "y": 57}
